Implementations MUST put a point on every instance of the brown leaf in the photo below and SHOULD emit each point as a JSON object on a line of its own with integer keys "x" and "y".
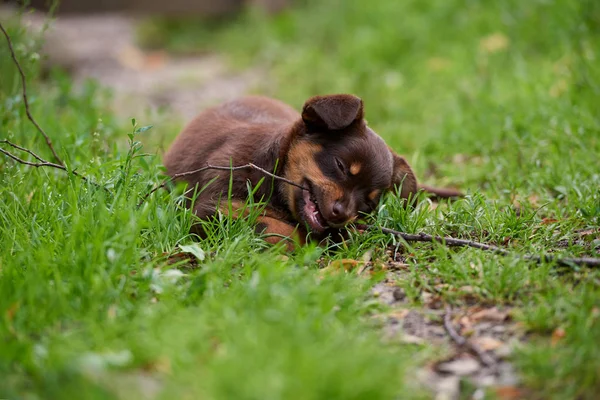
{"x": 467, "y": 289}
{"x": 344, "y": 265}
{"x": 347, "y": 264}
{"x": 509, "y": 393}
{"x": 180, "y": 257}
{"x": 29, "y": 196}
{"x": 399, "y": 314}
{"x": 12, "y": 310}
{"x": 588, "y": 232}
{"x": 131, "y": 57}
{"x": 490, "y": 314}
{"x": 548, "y": 221}
{"x": 487, "y": 343}
{"x": 460, "y": 366}
{"x": 534, "y": 200}
{"x": 466, "y": 326}
{"x": 411, "y": 339}
{"x": 155, "y": 59}
{"x": 426, "y": 297}
{"x": 558, "y": 334}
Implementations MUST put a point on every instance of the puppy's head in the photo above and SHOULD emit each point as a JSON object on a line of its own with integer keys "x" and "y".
{"x": 345, "y": 166}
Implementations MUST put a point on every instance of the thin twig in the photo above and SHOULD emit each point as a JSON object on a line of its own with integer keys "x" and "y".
{"x": 25, "y": 101}
{"x": 245, "y": 166}
{"x": 38, "y": 164}
{"x": 484, "y": 357}
{"x": 16, "y": 146}
{"x": 452, "y": 242}
{"x": 219, "y": 168}
{"x": 42, "y": 163}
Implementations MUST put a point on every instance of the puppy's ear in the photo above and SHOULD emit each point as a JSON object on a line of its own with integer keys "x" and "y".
{"x": 403, "y": 178}
{"x": 333, "y": 112}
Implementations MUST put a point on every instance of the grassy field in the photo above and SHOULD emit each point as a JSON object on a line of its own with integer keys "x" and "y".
{"x": 499, "y": 98}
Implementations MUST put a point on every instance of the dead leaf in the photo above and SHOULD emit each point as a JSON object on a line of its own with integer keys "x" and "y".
{"x": 344, "y": 265}
{"x": 155, "y": 59}
{"x": 548, "y": 221}
{"x": 411, "y": 339}
{"x": 490, "y": 314}
{"x": 426, "y": 297}
{"x": 494, "y": 43}
{"x": 395, "y": 265}
{"x": 509, "y": 393}
{"x": 161, "y": 364}
{"x": 12, "y": 310}
{"x": 558, "y": 334}
{"x": 487, "y": 343}
{"x": 131, "y": 57}
{"x": 467, "y": 289}
{"x": 461, "y": 366}
{"x": 347, "y": 264}
{"x": 466, "y": 326}
{"x": 367, "y": 256}
{"x": 181, "y": 258}
{"x": 29, "y": 196}
{"x": 588, "y": 233}
{"x": 399, "y": 314}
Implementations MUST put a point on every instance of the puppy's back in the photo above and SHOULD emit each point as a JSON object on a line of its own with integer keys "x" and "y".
{"x": 239, "y": 130}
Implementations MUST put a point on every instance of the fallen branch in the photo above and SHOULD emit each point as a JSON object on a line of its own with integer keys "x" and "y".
{"x": 484, "y": 357}
{"x": 219, "y": 168}
{"x": 24, "y": 94}
{"x": 452, "y": 242}
{"x": 41, "y": 163}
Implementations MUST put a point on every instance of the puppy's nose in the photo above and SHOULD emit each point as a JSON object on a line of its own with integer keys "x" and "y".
{"x": 339, "y": 213}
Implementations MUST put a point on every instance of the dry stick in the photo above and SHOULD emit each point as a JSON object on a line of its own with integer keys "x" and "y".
{"x": 25, "y": 101}
{"x": 485, "y": 358}
{"x": 42, "y": 163}
{"x": 452, "y": 242}
{"x": 220, "y": 168}
{"x": 16, "y": 146}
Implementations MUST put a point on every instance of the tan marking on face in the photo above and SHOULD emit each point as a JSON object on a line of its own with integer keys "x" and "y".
{"x": 355, "y": 168}
{"x": 373, "y": 195}
{"x": 301, "y": 164}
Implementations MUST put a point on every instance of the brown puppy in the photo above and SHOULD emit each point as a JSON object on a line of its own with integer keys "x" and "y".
{"x": 329, "y": 150}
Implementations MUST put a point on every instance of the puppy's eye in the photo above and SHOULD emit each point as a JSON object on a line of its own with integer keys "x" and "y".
{"x": 340, "y": 165}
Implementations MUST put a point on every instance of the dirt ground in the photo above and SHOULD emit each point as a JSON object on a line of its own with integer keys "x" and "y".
{"x": 103, "y": 47}
{"x": 490, "y": 336}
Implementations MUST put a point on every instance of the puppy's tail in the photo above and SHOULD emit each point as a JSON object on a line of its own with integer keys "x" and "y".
{"x": 441, "y": 193}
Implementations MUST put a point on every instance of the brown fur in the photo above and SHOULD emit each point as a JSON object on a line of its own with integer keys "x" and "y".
{"x": 328, "y": 149}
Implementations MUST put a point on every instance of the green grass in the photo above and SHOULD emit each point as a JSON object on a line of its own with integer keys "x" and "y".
{"x": 496, "y": 97}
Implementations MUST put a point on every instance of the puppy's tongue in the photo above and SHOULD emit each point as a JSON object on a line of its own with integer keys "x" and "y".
{"x": 312, "y": 214}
